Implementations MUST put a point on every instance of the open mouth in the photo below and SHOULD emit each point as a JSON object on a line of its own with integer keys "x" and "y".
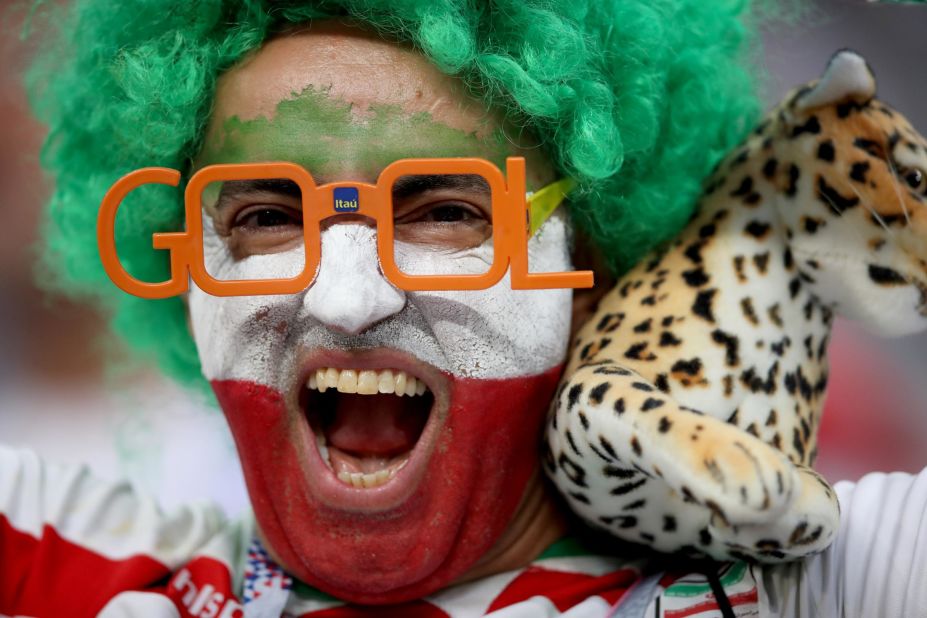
{"x": 922, "y": 288}
{"x": 366, "y": 422}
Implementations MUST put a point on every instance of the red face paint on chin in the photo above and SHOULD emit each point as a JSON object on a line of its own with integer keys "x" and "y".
{"x": 432, "y": 531}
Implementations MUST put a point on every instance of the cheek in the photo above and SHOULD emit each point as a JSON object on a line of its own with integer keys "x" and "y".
{"x": 221, "y": 265}
{"x": 501, "y": 332}
{"x": 241, "y": 336}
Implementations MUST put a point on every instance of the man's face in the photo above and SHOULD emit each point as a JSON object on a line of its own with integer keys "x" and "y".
{"x": 372, "y": 494}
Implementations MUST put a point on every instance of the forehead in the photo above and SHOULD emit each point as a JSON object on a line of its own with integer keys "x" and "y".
{"x": 350, "y": 65}
{"x": 344, "y": 103}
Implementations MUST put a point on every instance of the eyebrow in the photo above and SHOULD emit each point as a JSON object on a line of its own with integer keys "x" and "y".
{"x": 239, "y": 188}
{"x": 406, "y": 186}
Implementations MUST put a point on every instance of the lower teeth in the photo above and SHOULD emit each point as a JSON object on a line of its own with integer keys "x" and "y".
{"x": 361, "y": 480}
{"x": 357, "y": 479}
{"x": 323, "y": 449}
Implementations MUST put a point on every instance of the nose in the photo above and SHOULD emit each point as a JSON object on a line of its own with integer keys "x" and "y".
{"x": 350, "y": 293}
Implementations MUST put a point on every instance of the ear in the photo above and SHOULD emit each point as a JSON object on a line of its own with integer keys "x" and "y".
{"x": 847, "y": 77}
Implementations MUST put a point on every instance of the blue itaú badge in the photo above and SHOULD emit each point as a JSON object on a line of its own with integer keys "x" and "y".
{"x": 346, "y": 199}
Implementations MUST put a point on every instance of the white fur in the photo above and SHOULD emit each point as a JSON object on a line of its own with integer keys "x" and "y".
{"x": 847, "y": 76}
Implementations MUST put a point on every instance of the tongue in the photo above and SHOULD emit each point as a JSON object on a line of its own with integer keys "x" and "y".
{"x": 377, "y": 425}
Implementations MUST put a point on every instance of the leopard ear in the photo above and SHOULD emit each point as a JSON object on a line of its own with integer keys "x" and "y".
{"x": 847, "y": 77}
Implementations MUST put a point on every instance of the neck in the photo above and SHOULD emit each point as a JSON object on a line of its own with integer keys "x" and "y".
{"x": 536, "y": 525}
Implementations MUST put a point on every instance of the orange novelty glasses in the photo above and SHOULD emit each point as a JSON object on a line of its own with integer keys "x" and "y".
{"x": 510, "y": 225}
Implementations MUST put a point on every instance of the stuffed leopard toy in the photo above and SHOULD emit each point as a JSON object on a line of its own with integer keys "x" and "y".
{"x": 688, "y": 414}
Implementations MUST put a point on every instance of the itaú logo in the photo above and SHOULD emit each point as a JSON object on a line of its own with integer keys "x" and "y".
{"x": 346, "y": 199}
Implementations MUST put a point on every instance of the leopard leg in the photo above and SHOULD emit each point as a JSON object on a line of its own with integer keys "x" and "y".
{"x": 808, "y": 526}
{"x": 615, "y": 440}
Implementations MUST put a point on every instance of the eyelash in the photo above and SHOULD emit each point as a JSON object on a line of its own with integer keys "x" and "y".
{"x": 470, "y": 212}
{"x": 241, "y": 217}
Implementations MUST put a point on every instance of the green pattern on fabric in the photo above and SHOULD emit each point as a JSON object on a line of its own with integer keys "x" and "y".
{"x": 733, "y": 575}
{"x": 305, "y": 591}
{"x": 567, "y": 547}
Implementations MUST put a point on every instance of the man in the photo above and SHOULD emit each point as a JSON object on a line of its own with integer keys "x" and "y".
{"x": 418, "y": 476}
{"x": 439, "y": 509}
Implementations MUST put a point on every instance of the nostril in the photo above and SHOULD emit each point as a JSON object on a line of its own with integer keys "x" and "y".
{"x": 353, "y": 307}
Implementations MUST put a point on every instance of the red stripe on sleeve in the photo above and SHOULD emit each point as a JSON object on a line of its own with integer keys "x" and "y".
{"x": 50, "y": 576}
{"x": 712, "y": 604}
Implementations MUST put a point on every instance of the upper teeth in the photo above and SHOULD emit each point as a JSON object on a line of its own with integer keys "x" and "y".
{"x": 366, "y": 381}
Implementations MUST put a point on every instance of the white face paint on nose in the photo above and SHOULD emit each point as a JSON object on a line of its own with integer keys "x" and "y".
{"x": 350, "y": 293}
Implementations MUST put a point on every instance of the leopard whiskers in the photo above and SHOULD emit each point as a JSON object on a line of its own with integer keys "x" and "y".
{"x": 856, "y": 232}
{"x": 872, "y": 211}
{"x": 904, "y": 208}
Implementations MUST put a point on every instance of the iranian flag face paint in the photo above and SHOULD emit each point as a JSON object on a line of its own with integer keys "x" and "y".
{"x": 387, "y": 437}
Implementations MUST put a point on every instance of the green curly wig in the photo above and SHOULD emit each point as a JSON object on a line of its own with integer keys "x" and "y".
{"x": 636, "y": 99}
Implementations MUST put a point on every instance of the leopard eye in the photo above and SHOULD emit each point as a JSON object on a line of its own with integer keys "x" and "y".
{"x": 916, "y": 179}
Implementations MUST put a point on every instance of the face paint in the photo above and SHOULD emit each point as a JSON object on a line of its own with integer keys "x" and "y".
{"x": 379, "y": 135}
{"x": 498, "y": 353}
{"x": 488, "y": 334}
{"x": 490, "y": 360}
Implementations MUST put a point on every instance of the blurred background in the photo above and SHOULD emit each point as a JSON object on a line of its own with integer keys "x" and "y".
{"x": 60, "y": 393}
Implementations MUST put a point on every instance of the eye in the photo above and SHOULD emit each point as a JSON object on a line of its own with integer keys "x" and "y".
{"x": 449, "y": 213}
{"x": 258, "y": 217}
{"x": 444, "y": 212}
{"x": 447, "y": 223}
{"x": 916, "y": 179}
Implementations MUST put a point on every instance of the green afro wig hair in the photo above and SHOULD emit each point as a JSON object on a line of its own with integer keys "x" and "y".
{"x": 635, "y": 99}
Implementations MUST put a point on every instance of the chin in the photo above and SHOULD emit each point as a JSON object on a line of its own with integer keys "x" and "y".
{"x": 378, "y": 496}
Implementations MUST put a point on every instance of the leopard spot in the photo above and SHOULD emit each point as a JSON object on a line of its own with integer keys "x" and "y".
{"x": 812, "y": 126}
{"x": 636, "y": 446}
{"x": 573, "y": 395}
{"x": 619, "y": 406}
{"x": 702, "y": 307}
{"x": 746, "y": 307}
{"x": 652, "y": 403}
{"x": 886, "y": 276}
{"x": 761, "y": 260}
{"x": 704, "y": 536}
{"x": 598, "y": 393}
{"x": 695, "y": 277}
{"x": 739, "y": 268}
{"x": 665, "y": 424}
{"x": 826, "y": 151}
{"x": 832, "y": 199}
{"x": 607, "y": 447}
{"x": 858, "y": 171}
{"x": 627, "y": 488}
{"x": 731, "y": 345}
{"x": 758, "y": 229}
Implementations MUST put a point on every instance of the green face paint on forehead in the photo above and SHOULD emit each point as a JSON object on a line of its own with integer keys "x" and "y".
{"x": 326, "y": 135}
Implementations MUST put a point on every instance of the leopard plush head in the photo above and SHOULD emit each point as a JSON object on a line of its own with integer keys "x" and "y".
{"x": 853, "y": 173}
